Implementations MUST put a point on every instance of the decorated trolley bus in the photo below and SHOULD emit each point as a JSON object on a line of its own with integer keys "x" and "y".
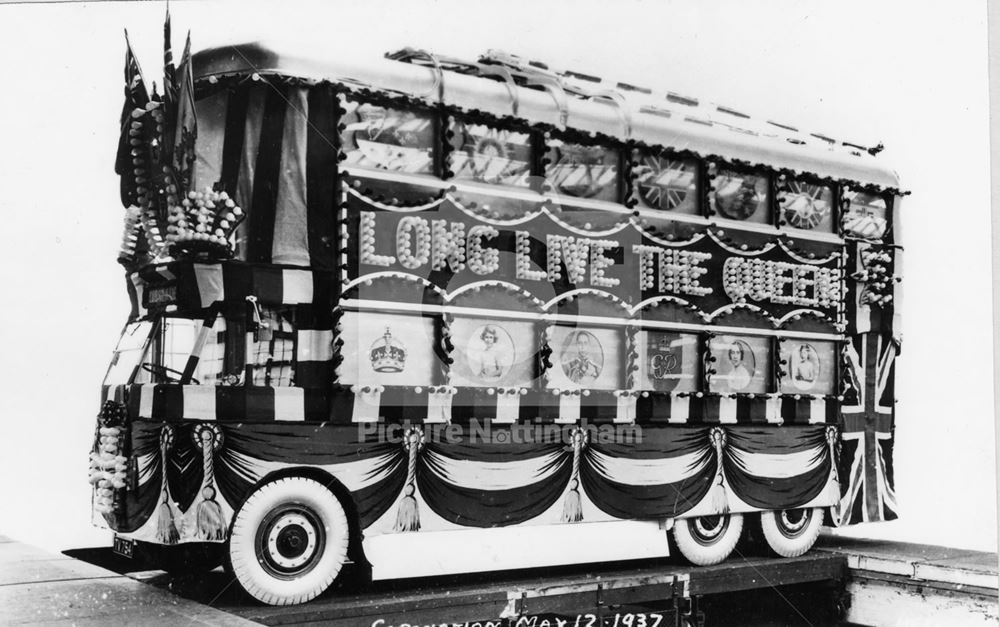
{"x": 420, "y": 315}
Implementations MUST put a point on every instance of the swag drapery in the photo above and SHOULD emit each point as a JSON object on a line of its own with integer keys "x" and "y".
{"x": 664, "y": 473}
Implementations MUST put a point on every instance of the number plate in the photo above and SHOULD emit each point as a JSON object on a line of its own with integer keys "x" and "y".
{"x": 123, "y": 546}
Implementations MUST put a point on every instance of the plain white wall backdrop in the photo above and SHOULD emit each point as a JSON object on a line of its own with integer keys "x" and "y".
{"x": 912, "y": 75}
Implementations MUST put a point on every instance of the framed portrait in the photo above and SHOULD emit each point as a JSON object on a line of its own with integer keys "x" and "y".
{"x": 666, "y": 183}
{"x": 485, "y": 154}
{"x": 810, "y": 367}
{"x": 668, "y": 361}
{"x": 741, "y": 196}
{"x": 382, "y": 138}
{"x": 387, "y": 349}
{"x": 742, "y": 364}
{"x": 493, "y": 352}
{"x": 808, "y": 206}
{"x": 586, "y": 358}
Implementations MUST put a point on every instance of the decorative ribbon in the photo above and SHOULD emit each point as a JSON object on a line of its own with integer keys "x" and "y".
{"x": 166, "y": 529}
{"x": 211, "y": 524}
{"x": 408, "y": 515}
{"x": 720, "y": 500}
{"x": 572, "y": 506}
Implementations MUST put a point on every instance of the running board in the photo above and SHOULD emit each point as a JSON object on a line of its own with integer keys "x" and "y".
{"x": 420, "y": 554}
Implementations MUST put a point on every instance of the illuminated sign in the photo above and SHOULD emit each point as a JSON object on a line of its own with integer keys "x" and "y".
{"x": 447, "y": 247}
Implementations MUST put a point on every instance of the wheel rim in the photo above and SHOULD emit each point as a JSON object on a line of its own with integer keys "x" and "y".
{"x": 290, "y": 541}
{"x": 792, "y": 523}
{"x": 707, "y": 530}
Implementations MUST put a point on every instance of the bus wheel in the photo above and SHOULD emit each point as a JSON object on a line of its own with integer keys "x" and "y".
{"x": 289, "y": 541}
{"x": 708, "y": 540}
{"x": 791, "y": 532}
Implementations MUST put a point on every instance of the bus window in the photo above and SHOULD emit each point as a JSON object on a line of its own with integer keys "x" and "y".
{"x": 489, "y": 155}
{"x": 271, "y": 350}
{"x": 667, "y": 183}
{"x": 866, "y": 215}
{"x": 741, "y": 196}
{"x": 175, "y": 342}
{"x": 493, "y": 352}
{"x": 582, "y": 171}
{"x": 128, "y": 354}
{"x": 807, "y": 206}
{"x": 585, "y": 358}
{"x": 381, "y": 138}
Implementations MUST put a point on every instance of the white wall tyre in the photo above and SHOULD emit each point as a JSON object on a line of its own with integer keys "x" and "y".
{"x": 791, "y": 532}
{"x": 708, "y": 540}
{"x": 289, "y": 541}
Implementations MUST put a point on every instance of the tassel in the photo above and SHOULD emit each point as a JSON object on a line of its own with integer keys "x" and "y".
{"x": 408, "y": 514}
{"x": 210, "y": 523}
{"x": 720, "y": 500}
{"x": 833, "y": 485}
{"x": 572, "y": 506}
{"x": 166, "y": 529}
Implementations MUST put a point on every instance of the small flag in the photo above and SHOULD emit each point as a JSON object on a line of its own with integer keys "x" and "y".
{"x": 136, "y": 96}
{"x": 186, "y": 129}
{"x": 169, "y": 71}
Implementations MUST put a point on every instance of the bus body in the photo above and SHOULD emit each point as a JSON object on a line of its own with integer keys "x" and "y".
{"x": 491, "y": 306}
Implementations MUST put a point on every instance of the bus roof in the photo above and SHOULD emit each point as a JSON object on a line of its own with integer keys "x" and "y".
{"x": 576, "y": 100}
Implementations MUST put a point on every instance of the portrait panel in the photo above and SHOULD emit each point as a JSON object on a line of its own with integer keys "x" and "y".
{"x": 493, "y": 352}
{"x": 810, "y": 367}
{"x": 742, "y": 364}
{"x": 585, "y": 358}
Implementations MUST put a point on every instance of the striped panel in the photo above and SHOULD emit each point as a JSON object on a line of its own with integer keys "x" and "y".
{"x": 289, "y": 404}
{"x": 726, "y": 410}
{"x": 569, "y": 409}
{"x": 211, "y": 112}
{"x": 291, "y": 244}
{"x": 625, "y": 410}
{"x": 508, "y": 408}
{"x": 261, "y": 211}
{"x": 314, "y": 345}
{"x": 296, "y": 287}
{"x": 248, "y": 162}
{"x": 198, "y": 402}
{"x": 679, "y": 409}
{"x": 138, "y": 287}
{"x": 145, "y": 395}
{"x": 439, "y": 407}
{"x": 211, "y": 287}
{"x": 321, "y": 166}
{"x": 366, "y": 406}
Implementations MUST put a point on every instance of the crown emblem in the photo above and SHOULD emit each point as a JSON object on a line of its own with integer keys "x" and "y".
{"x": 388, "y": 354}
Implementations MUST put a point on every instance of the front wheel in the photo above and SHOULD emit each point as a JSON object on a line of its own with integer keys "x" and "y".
{"x": 289, "y": 541}
{"x": 708, "y": 540}
{"x": 791, "y": 532}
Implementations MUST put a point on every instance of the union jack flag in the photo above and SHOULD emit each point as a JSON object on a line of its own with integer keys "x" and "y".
{"x": 867, "y": 432}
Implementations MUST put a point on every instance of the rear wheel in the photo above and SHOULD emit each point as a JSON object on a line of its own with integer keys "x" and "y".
{"x": 791, "y": 532}
{"x": 289, "y": 541}
{"x": 708, "y": 540}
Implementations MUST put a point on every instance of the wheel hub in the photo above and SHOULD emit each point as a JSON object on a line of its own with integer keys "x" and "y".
{"x": 794, "y": 520}
{"x": 290, "y": 542}
{"x": 709, "y": 528}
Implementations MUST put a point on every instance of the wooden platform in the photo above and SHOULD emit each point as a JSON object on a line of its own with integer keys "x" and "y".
{"x": 897, "y": 583}
{"x": 865, "y": 582}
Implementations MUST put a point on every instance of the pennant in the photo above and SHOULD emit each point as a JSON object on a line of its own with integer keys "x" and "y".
{"x": 186, "y": 125}
{"x": 169, "y": 71}
{"x": 136, "y": 96}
